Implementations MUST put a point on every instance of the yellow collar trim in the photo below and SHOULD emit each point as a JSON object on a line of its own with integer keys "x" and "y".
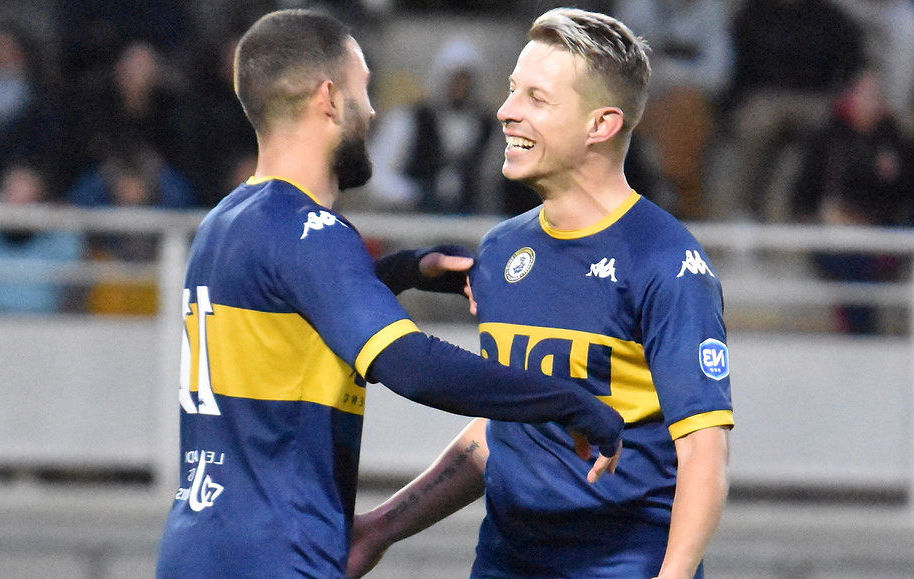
{"x": 617, "y": 213}
{"x": 259, "y": 180}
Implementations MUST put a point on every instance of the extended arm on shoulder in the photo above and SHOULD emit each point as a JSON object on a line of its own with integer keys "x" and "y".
{"x": 438, "y": 374}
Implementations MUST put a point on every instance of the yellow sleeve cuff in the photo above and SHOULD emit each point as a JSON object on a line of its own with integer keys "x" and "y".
{"x": 699, "y": 421}
{"x": 381, "y": 340}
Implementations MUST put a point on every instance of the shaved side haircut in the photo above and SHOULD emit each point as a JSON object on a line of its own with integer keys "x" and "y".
{"x": 282, "y": 59}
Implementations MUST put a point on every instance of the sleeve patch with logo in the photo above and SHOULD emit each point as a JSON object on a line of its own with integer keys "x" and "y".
{"x": 714, "y": 359}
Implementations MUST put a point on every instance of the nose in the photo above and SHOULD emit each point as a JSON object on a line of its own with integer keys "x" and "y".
{"x": 507, "y": 112}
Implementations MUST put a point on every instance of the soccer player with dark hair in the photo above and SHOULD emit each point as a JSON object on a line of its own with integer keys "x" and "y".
{"x": 286, "y": 319}
{"x": 599, "y": 285}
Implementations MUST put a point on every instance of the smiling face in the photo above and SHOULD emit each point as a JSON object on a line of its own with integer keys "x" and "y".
{"x": 544, "y": 118}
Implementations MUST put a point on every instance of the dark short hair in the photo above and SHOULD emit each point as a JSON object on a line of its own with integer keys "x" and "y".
{"x": 616, "y": 58}
{"x": 282, "y": 59}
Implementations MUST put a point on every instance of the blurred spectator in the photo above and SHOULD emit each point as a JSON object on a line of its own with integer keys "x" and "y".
{"x": 692, "y": 63}
{"x": 220, "y": 141}
{"x": 791, "y": 58}
{"x": 132, "y": 176}
{"x": 857, "y": 170}
{"x": 888, "y": 27}
{"x": 127, "y": 163}
{"x": 431, "y": 156}
{"x": 135, "y": 100}
{"x": 30, "y": 120}
{"x": 92, "y": 32}
{"x": 31, "y": 253}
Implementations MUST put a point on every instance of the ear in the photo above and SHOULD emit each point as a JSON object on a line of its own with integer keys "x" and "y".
{"x": 605, "y": 123}
{"x": 328, "y": 99}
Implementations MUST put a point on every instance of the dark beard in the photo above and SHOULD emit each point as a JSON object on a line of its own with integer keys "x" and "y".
{"x": 351, "y": 163}
{"x": 350, "y": 159}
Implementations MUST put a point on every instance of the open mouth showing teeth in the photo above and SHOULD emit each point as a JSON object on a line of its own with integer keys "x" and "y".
{"x": 519, "y": 143}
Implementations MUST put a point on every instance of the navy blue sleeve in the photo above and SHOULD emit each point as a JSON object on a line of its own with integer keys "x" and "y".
{"x": 327, "y": 275}
{"x": 441, "y": 375}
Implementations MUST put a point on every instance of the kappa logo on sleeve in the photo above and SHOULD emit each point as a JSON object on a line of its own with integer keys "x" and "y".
{"x": 317, "y": 221}
{"x": 693, "y": 263}
{"x": 714, "y": 359}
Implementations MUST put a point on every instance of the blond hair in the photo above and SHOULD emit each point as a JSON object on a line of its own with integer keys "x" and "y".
{"x": 617, "y": 65}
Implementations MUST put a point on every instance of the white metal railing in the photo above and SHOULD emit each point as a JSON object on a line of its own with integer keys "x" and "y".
{"x": 740, "y": 245}
{"x": 746, "y": 283}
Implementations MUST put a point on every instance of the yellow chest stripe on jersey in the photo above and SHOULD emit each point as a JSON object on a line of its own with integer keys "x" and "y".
{"x": 270, "y": 356}
{"x": 630, "y": 388}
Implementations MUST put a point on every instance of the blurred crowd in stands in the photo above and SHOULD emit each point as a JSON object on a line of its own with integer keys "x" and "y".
{"x": 761, "y": 110}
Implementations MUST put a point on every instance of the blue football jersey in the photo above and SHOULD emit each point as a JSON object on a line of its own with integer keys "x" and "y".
{"x": 283, "y": 317}
{"x": 632, "y": 310}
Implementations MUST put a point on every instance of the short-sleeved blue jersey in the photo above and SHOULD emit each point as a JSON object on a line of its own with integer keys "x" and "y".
{"x": 283, "y": 317}
{"x": 631, "y": 309}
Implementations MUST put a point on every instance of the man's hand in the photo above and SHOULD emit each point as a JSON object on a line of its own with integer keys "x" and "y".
{"x": 365, "y": 549}
{"x": 435, "y": 264}
{"x": 444, "y": 269}
{"x": 602, "y": 464}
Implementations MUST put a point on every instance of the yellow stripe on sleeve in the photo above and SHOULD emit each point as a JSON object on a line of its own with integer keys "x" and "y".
{"x": 699, "y": 421}
{"x": 381, "y": 340}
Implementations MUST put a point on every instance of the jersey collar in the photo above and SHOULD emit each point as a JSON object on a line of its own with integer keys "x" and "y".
{"x": 259, "y": 180}
{"x": 617, "y": 213}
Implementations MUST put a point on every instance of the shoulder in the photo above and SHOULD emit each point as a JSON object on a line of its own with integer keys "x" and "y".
{"x": 274, "y": 212}
{"x": 655, "y": 229}
{"x": 661, "y": 244}
{"x": 516, "y": 225}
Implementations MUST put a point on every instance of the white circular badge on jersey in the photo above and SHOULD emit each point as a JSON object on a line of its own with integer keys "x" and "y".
{"x": 520, "y": 264}
{"x": 714, "y": 359}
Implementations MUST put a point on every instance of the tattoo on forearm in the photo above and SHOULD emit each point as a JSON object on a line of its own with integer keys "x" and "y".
{"x": 448, "y": 472}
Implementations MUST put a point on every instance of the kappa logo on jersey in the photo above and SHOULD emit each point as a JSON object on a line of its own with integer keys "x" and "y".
{"x": 693, "y": 263}
{"x": 603, "y": 268}
{"x": 203, "y": 491}
{"x": 317, "y": 221}
{"x": 714, "y": 359}
{"x": 519, "y": 265}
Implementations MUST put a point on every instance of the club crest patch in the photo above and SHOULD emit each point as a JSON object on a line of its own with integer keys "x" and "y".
{"x": 519, "y": 265}
{"x": 714, "y": 359}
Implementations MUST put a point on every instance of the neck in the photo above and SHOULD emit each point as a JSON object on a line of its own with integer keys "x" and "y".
{"x": 584, "y": 201}
{"x": 300, "y": 155}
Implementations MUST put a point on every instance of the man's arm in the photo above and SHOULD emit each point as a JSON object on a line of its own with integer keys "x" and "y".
{"x": 452, "y": 482}
{"x": 441, "y": 375}
{"x": 701, "y": 491}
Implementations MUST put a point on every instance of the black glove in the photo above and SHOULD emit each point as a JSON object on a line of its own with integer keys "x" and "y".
{"x": 400, "y": 271}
